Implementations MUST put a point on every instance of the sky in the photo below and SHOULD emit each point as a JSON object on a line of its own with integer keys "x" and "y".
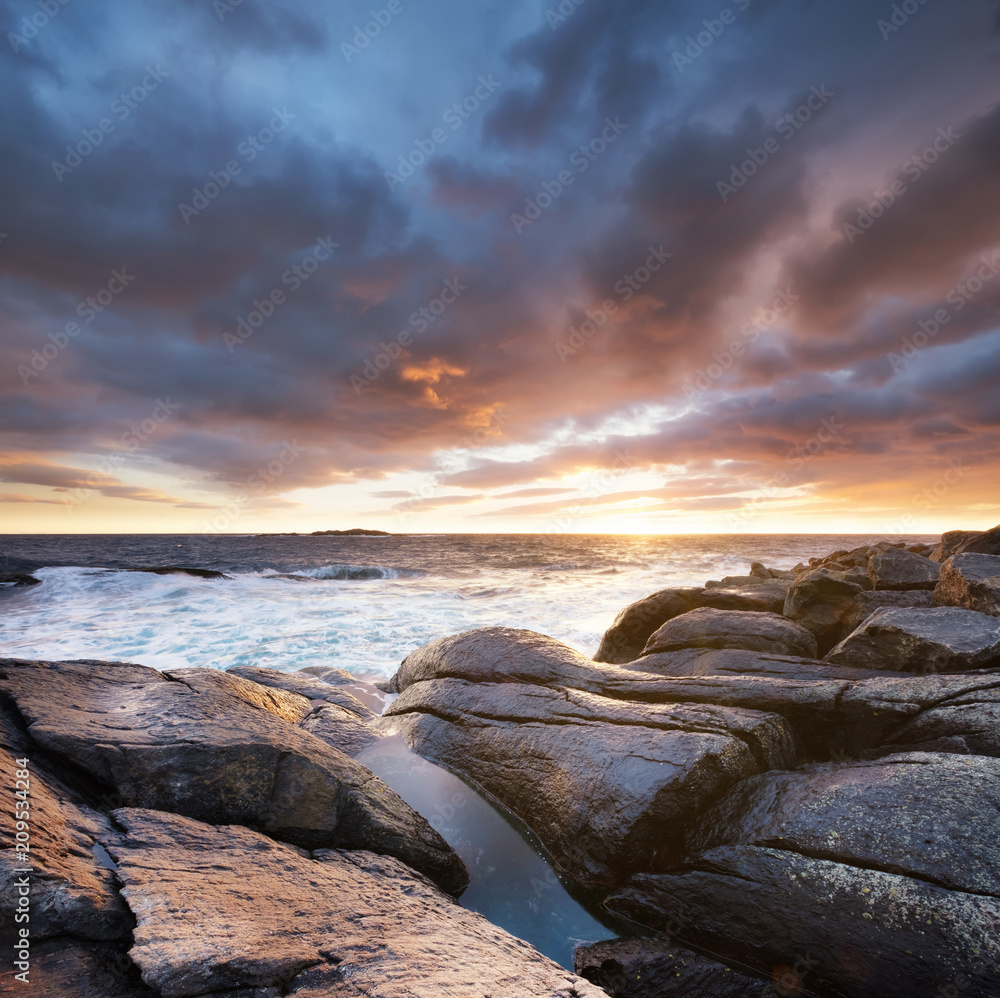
{"x": 572, "y": 266}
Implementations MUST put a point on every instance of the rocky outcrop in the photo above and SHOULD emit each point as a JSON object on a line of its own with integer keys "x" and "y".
{"x": 940, "y": 639}
{"x": 707, "y": 628}
{"x": 225, "y": 910}
{"x": 220, "y": 749}
{"x": 971, "y": 581}
{"x": 608, "y": 785}
{"x": 866, "y": 603}
{"x": 658, "y": 968}
{"x": 902, "y": 570}
{"x": 968, "y": 541}
{"x": 14, "y": 580}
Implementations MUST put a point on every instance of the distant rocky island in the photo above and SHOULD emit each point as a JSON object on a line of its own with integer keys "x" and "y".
{"x": 353, "y": 532}
{"x": 787, "y": 781}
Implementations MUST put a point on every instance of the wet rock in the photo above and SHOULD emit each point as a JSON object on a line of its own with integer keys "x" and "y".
{"x": 755, "y": 595}
{"x": 608, "y": 785}
{"x": 971, "y": 581}
{"x": 220, "y": 909}
{"x": 624, "y": 640}
{"x": 905, "y": 813}
{"x": 821, "y": 604}
{"x": 902, "y": 570}
{"x": 219, "y": 748}
{"x": 645, "y": 967}
{"x": 851, "y": 931}
{"x": 13, "y": 580}
{"x": 708, "y": 628}
{"x": 197, "y": 573}
{"x": 305, "y": 685}
{"x": 72, "y": 891}
{"x": 940, "y": 639}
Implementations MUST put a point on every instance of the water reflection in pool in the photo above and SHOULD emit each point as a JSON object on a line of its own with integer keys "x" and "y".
{"x": 511, "y": 883}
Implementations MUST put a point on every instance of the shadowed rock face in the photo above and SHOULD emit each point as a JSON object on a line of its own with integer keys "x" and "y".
{"x": 971, "y": 581}
{"x": 821, "y": 604}
{"x": 708, "y": 628}
{"x": 287, "y": 922}
{"x": 655, "y": 968}
{"x": 940, "y": 639}
{"x": 219, "y": 748}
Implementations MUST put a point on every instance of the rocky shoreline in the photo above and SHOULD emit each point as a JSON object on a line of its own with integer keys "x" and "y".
{"x": 788, "y": 781}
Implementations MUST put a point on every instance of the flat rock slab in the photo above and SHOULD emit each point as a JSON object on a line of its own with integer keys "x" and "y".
{"x": 225, "y": 908}
{"x": 851, "y": 931}
{"x": 305, "y": 685}
{"x": 971, "y": 581}
{"x": 71, "y": 891}
{"x": 940, "y": 639}
{"x": 657, "y": 968}
{"x": 900, "y": 569}
{"x": 709, "y": 628}
{"x": 609, "y": 786}
{"x": 221, "y": 749}
{"x": 910, "y": 813}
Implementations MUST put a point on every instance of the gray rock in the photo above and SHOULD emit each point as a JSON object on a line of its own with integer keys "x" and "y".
{"x": 940, "y": 639}
{"x": 624, "y": 640}
{"x": 755, "y": 595}
{"x": 222, "y": 749}
{"x": 905, "y": 813}
{"x": 852, "y": 931}
{"x": 708, "y": 628}
{"x": 902, "y": 570}
{"x": 865, "y": 604}
{"x": 609, "y": 786}
{"x": 968, "y": 541}
{"x": 72, "y": 892}
{"x": 304, "y": 685}
{"x": 220, "y": 909}
{"x": 971, "y": 581}
{"x": 821, "y": 604}
{"x": 645, "y": 967}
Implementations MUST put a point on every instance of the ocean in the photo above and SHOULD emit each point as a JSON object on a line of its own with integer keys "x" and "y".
{"x": 359, "y": 603}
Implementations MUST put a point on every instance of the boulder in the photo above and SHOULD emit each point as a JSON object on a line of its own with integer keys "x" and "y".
{"x": 757, "y": 596}
{"x": 907, "y": 813}
{"x": 221, "y": 909}
{"x": 14, "y": 580}
{"x": 624, "y": 640}
{"x": 971, "y": 581}
{"x": 968, "y": 541}
{"x": 866, "y": 603}
{"x": 902, "y": 570}
{"x": 72, "y": 891}
{"x": 609, "y": 786}
{"x": 708, "y": 628}
{"x": 940, "y": 639}
{"x": 850, "y": 931}
{"x": 644, "y": 967}
{"x": 821, "y": 604}
{"x": 218, "y": 748}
